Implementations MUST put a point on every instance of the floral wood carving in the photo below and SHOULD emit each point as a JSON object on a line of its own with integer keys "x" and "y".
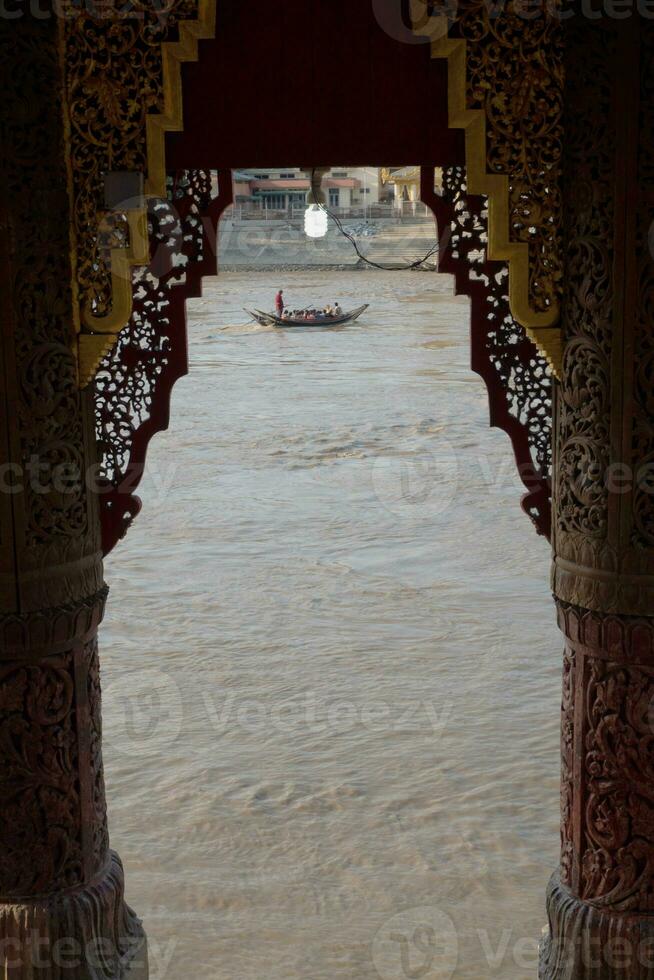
{"x": 518, "y": 378}
{"x": 52, "y": 808}
{"x": 604, "y": 455}
{"x": 50, "y": 535}
{"x": 58, "y": 880}
{"x": 617, "y": 862}
{"x": 567, "y": 767}
{"x": 603, "y": 569}
{"x": 124, "y": 94}
{"x": 608, "y": 769}
{"x": 135, "y": 380}
{"x": 505, "y": 81}
{"x": 584, "y": 419}
{"x": 114, "y": 74}
{"x": 40, "y": 814}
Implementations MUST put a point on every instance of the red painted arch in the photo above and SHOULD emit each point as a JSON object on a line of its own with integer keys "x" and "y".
{"x": 313, "y": 83}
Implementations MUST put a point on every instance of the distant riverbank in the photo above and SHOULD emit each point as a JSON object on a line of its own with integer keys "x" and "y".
{"x": 271, "y": 245}
{"x": 285, "y": 267}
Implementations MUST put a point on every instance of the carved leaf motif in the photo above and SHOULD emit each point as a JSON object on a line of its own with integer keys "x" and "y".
{"x": 134, "y": 380}
{"x": 567, "y": 765}
{"x": 618, "y": 831}
{"x": 515, "y": 73}
{"x": 521, "y": 374}
{"x": 114, "y": 79}
{"x": 42, "y": 810}
{"x": 583, "y": 428}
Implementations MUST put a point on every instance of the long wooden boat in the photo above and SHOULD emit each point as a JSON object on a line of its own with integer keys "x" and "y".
{"x": 272, "y": 320}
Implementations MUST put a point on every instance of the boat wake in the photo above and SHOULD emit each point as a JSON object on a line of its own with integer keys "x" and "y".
{"x": 239, "y": 329}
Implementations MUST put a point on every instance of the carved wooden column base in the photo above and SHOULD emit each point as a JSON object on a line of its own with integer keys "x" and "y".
{"x": 88, "y": 933}
{"x": 589, "y": 943}
{"x": 601, "y": 902}
{"x": 62, "y": 909}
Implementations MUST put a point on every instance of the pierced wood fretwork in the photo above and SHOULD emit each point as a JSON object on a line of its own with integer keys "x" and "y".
{"x": 133, "y": 385}
{"x": 518, "y": 378}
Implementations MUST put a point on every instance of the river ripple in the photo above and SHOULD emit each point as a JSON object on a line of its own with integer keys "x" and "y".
{"x": 331, "y": 670}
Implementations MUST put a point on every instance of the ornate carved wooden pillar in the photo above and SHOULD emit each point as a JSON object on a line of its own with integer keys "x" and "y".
{"x": 62, "y": 913}
{"x": 601, "y": 902}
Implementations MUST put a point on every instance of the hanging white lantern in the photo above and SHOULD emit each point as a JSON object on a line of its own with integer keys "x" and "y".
{"x": 315, "y": 222}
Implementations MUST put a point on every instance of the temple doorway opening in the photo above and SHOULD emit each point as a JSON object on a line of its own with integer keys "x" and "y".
{"x": 349, "y": 734}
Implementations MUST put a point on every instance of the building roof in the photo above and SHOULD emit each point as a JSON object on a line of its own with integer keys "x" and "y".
{"x": 281, "y": 185}
{"x": 342, "y": 182}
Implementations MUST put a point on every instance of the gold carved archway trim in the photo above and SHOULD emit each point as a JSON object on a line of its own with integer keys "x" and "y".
{"x": 534, "y": 266}
{"x": 99, "y": 333}
{"x": 542, "y": 325}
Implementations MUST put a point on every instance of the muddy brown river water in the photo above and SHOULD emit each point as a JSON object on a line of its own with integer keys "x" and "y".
{"x": 331, "y": 669}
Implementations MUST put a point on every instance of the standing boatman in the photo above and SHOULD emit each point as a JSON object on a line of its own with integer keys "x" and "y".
{"x": 279, "y": 302}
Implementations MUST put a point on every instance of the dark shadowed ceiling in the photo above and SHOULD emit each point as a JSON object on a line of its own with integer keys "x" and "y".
{"x": 322, "y": 83}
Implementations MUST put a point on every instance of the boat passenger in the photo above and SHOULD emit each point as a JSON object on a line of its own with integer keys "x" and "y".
{"x": 337, "y": 310}
{"x": 279, "y": 302}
